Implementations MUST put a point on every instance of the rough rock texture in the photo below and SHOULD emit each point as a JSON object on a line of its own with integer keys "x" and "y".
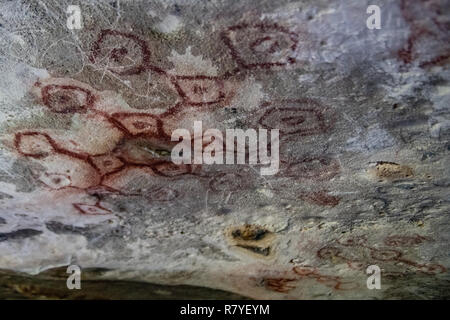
{"x": 51, "y": 284}
{"x": 85, "y": 171}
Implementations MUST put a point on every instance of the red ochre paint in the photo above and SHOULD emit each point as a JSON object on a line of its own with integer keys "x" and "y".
{"x": 196, "y": 91}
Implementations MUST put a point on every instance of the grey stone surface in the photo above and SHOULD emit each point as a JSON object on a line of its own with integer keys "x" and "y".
{"x": 85, "y": 172}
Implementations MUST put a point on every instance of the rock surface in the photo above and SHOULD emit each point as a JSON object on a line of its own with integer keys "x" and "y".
{"x": 85, "y": 123}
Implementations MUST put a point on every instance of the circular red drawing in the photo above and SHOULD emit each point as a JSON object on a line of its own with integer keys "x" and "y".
{"x": 404, "y": 241}
{"x": 261, "y": 45}
{"x": 67, "y": 98}
{"x": 34, "y": 144}
{"x": 120, "y": 52}
{"x": 320, "y": 169}
{"x": 302, "y": 117}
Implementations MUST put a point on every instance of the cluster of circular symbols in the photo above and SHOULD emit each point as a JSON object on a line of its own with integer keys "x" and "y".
{"x": 252, "y": 46}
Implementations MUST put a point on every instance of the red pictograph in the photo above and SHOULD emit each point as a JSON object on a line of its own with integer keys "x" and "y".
{"x": 390, "y": 256}
{"x": 281, "y": 285}
{"x": 134, "y": 124}
{"x": 67, "y": 98}
{"x": 105, "y": 167}
{"x": 301, "y": 117}
{"x": 138, "y": 135}
{"x": 274, "y": 46}
{"x": 91, "y": 209}
{"x": 34, "y": 144}
{"x": 305, "y": 170}
{"x": 334, "y": 282}
{"x": 404, "y": 241}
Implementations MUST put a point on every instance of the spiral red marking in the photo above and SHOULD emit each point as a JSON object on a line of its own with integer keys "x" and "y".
{"x": 118, "y": 55}
{"x": 271, "y": 39}
{"x": 301, "y": 117}
{"x": 67, "y": 98}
